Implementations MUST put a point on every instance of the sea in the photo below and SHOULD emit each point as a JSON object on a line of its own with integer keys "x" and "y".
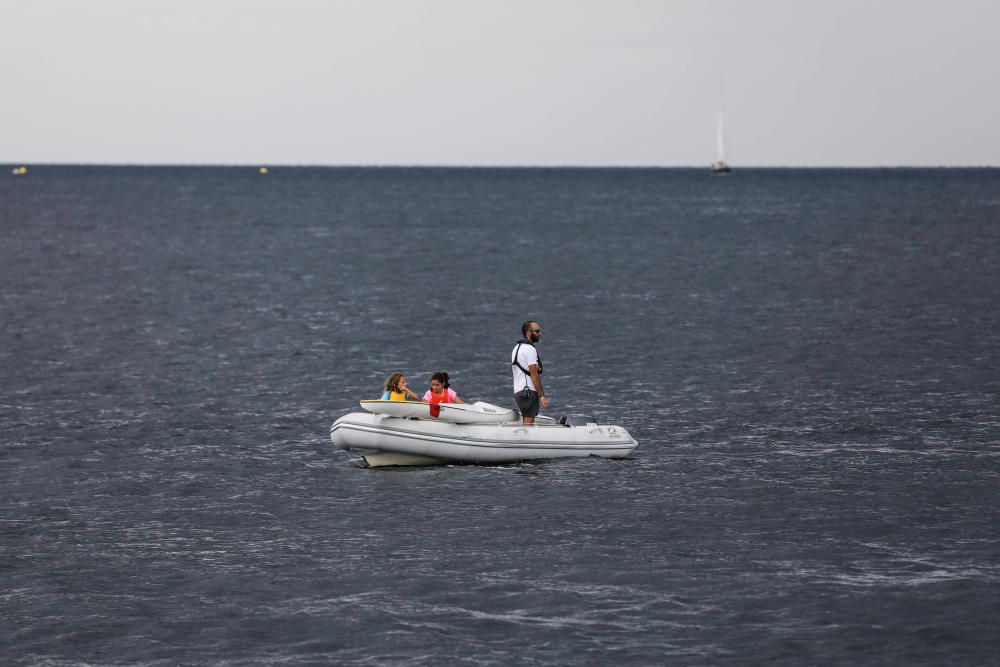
{"x": 808, "y": 359}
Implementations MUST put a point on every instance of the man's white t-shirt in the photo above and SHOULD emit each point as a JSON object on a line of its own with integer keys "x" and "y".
{"x": 526, "y": 356}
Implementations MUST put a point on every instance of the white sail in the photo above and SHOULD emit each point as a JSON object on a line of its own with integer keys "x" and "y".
{"x": 720, "y": 140}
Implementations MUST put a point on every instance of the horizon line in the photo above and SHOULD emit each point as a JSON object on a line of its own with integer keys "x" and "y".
{"x": 279, "y": 165}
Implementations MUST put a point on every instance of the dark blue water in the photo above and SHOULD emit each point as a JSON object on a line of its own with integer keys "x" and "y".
{"x": 807, "y": 358}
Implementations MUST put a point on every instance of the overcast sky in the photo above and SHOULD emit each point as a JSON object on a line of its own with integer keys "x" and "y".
{"x": 500, "y": 82}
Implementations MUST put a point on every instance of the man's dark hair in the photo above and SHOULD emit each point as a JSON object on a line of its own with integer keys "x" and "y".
{"x": 525, "y": 326}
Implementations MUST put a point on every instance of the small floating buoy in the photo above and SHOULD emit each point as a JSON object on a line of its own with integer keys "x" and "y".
{"x": 18, "y": 171}
{"x": 263, "y": 170}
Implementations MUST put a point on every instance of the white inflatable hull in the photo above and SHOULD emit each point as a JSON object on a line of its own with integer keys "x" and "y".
{"x": 383, "y": 440}
{"x": 457, "y": 413}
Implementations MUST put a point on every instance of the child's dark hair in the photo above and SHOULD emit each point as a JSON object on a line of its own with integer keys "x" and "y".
{"x": 442, "y": 377}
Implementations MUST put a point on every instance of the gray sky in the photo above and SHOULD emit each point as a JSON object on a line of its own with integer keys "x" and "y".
{"x": 500, "y": 82}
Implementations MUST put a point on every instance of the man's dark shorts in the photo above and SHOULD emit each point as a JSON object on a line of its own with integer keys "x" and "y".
{"x": 527, "y": 403}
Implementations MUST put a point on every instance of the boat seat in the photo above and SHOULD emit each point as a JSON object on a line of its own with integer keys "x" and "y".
{"x": 576, "y": 420}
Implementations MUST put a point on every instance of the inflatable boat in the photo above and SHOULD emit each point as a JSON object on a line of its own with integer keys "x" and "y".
{"x": 408, "y": 433}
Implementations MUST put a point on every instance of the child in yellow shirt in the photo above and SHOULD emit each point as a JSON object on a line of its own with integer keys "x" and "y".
{"x": 396, "y": 389}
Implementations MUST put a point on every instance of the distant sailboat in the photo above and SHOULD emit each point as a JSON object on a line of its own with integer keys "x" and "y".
{"x": 720, "y": 166}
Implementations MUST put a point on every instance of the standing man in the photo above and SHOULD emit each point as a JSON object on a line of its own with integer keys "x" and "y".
{"x": 526, "y": 366}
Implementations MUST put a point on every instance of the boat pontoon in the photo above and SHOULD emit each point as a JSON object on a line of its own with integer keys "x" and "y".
{"x": 409, "y": 433}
